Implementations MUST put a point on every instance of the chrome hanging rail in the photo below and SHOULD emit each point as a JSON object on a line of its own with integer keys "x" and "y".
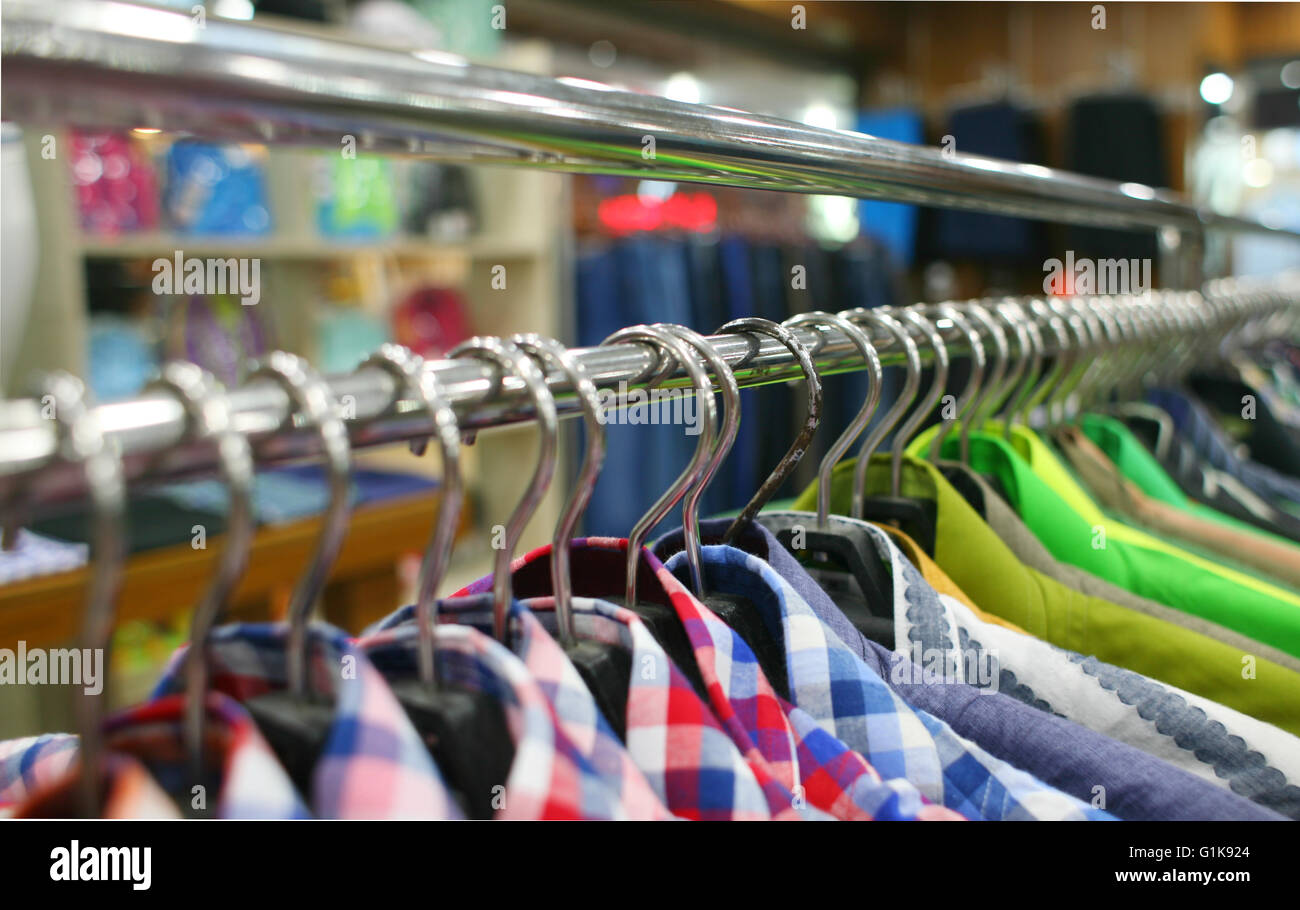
{"x": 118, "y": 65}
{"x": 142, "y": 427}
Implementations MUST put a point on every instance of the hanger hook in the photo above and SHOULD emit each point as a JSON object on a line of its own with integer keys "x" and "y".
{"x": 978, "y": 363}
{"x": 730, "y": 389}
{"x": 82, "y": 441}
{"x": 981, "y": 315}
{"x": 207, "y": 410}
{"x": 510, "y": 360}
{"x": 1103, "y": 366}
{"x": 664, "y": 341}
{"x": 911, "y": 384}
{"x": 908, "y": 429}
{"x": 310, "y": 398}
{"x": 1039, "y": 311}
{"x": 818, "y": 320}
{"x": 1088, "y": 341}
{"x": 1030, "y": 364}
{"x": 415, "y": 382}
{"x": 813, "y": 385}
{"x": 551, "y": 352}
{"x": 1023, "y": 352}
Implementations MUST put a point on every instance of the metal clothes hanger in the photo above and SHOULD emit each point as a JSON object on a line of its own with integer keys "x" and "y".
{"x": 296, "y": 721}
{"x": 905, "y": 433}
{"x": 841, "y": 553}
{"x": 465, "y": 730}
{"x": 658, "y": 615}
{"x": 737, "y": 611}
{"x": 415, "y": 382}
{"x": 1047, "y": 379}
{"x": 665, "y": 341}
{"x": 511, "y": 360}
{"x": 915, "y": 517}
{"x": 722, "y": 446}
{"x": 798, "y": 448}
{"x": 81, "y": 441}
{"x": 1001, "y": 356}
{"x": 605, "y": 667}
{"x": 911, "y": 385}
{"x": 1090, "y": 347}
{"x": 978, "y": 364}
{"x": 1034, "y": 364}
{"x": 208, "y": 414}
{"x": 1016, "y": 366}
{"x": 556, "y": 355}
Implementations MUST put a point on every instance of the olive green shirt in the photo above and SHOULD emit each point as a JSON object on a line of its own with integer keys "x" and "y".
{"x": 1076, "y": 531}
{"x": 985, "y": 568}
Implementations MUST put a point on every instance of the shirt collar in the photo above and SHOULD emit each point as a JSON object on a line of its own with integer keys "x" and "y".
{"x": 129, "y": 792}
{"x": 251, "y": 783}
{"x": 807, "y": 766}
{"x": 847, "y": 699}
{"x": 374, "y": 764}
{"x": 549, "y": 778}
{"x": 575, "y": 710}
{"x": 598, "y": 566}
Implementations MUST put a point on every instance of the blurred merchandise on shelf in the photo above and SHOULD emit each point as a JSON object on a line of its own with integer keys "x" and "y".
{"x": 356, "y": 197}
{"x": 292, "y": 493}
{"x": 472, "y": 28}
{"x": 152, "y": 520}
{"x": 217, "y": 332}
{"x": 431, "y": 321}
{"x": 115, "y": 183}
{"x": 345, "y": 336}
{"x": 122, "y": 356}
{"x": 32, "y": 555}
{"x": 216, "y": 190}
{"x": 437, "y": 201}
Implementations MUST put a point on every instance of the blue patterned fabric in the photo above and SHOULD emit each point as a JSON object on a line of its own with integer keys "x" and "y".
{"x": 833, "y": 685}
{"x": 575, "y": 709}
{"x": 1065, "y": 754}
{"x": 374, "y": 764}
{"x": 1215, "y": 446}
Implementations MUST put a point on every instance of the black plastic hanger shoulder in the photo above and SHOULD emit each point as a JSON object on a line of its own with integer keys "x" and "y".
{"x": 914, "y": 517}
{"x": 467, "y": 735}
{"x": 841, "y": 546}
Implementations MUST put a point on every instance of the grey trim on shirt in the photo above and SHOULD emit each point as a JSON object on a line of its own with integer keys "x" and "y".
{"x": 1003, "y": 519}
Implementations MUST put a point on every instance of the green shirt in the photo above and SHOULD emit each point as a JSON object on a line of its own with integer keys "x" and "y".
{"x": 1076, "y": 531}
{"x": 984, "y": 567}
{"x": 1142, "y": 468}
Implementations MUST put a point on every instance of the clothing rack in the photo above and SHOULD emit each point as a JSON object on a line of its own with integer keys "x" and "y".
{"x": 117, "y": 65}
{"x": 141, "y": 428}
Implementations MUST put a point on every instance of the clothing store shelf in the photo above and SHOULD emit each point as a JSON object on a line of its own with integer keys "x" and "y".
{"x": 44, "y": 611}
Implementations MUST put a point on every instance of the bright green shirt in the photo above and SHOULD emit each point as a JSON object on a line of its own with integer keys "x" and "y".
{"x": 1076, "y": 531}
{"x": 977, "y": 560}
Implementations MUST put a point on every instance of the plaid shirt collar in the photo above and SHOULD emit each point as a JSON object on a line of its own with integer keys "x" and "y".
{"x": 550, "y": 777}
{"x": 575, "y": 711}
{"x": 374, "y": 764}
{"x": 800, "y": 766}
{"x": 251, "y": 783}
{"x": 836, "y": 688}
{"x": 673, "y": 737}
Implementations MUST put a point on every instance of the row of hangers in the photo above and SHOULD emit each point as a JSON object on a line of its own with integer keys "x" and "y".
{"x": 1030, "y": 358}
